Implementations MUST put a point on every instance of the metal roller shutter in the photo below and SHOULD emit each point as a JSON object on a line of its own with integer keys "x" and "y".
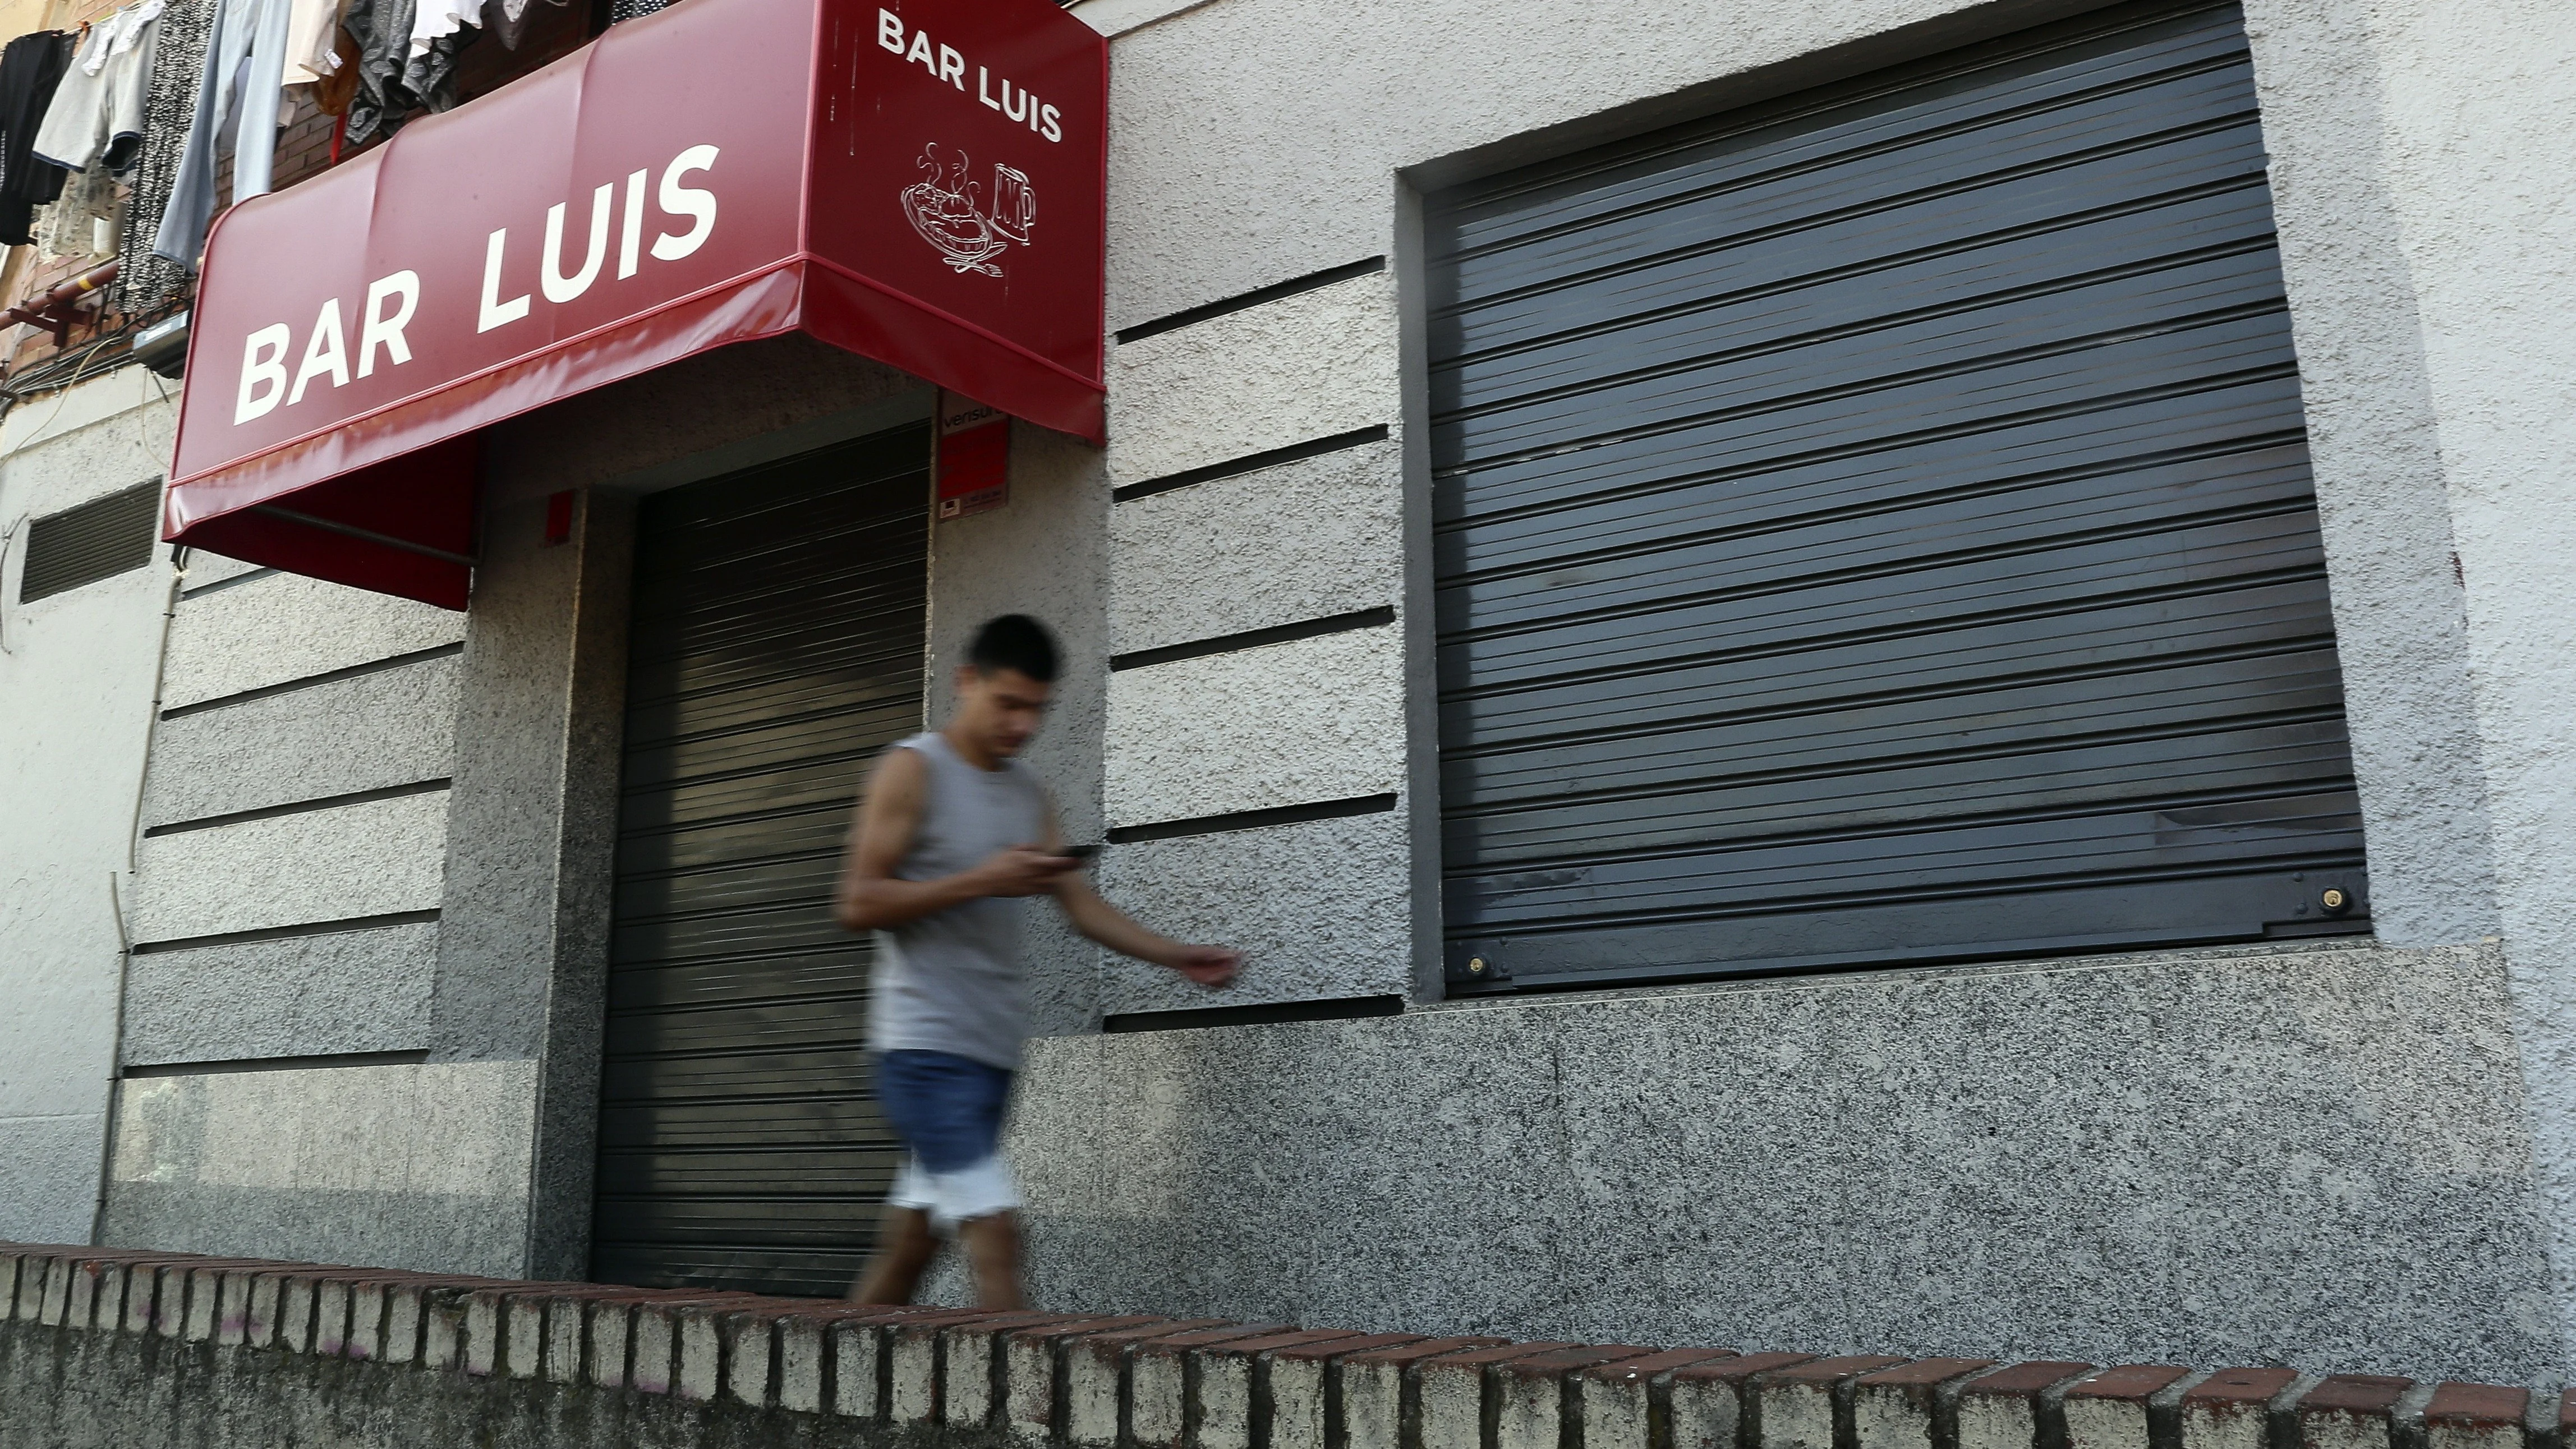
{"x": 777, "y": 645}
{"x": 1877, "y": 528}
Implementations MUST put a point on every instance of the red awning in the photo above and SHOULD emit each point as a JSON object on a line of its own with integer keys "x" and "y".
{"x": 919, "y": 182}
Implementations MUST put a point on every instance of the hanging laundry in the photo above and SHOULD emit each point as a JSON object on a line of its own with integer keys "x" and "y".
{"x": 435, "y": 20}
{"x": 31, "y": 68}
{"x": 431, "y": 76}
{"x": 508, "y": 19}
{"x": 312, "y": 27}
{"x": 87, "y": 221}
{"x": 392, "y": 82}
{"x": 96, "y": 119}
{"x": 337, "y": 89}
{"x": 238, "y": 110}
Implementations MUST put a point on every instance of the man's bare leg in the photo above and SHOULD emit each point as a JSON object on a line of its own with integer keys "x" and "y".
{"x": 905, "y": 1246}
{"x": 992, "y": 1244}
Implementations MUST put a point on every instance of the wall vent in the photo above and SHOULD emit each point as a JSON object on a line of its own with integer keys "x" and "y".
{"x": 97, "y": 540}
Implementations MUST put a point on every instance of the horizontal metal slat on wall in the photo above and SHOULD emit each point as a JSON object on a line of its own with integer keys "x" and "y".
{"x": 775, "y": 648}
{"x": 1876, "y": 528}
{"x": 99, "y": 539}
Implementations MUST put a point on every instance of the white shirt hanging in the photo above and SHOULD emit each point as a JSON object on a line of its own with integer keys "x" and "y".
{"x": 435, "y": 18}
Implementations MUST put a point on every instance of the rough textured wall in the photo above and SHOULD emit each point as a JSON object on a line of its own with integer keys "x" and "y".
{"x": 286, "y": 926}
{"x": 2481, "y": 151}
{"x": 426, "y": 871}
{"x": 2423, "y": 173}
{"x": 2313, "y": 1158}
{"x": 1256, "y": 140}
{"x": 417, "y": 1166}
{"x": 2400, "y": 616}
{"x": 1043, "y": 555}
{"x": 75, "y": 709}
{"x": 1256, "y": 550}
{"x": 1255, "y": 571}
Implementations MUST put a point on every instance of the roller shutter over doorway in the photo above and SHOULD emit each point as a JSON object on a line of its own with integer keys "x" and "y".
{"x": 1876, "y": 528}
{"x": 777, "y": 642}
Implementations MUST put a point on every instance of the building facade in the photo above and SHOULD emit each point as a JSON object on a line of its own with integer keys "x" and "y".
{"x": 1884, "y": 677}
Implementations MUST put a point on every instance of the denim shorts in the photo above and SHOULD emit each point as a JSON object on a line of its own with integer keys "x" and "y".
{"x": 947, "y": 1109}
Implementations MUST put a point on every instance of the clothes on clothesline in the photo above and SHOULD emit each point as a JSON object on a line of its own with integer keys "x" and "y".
{"x": 392, "y": 81}
{"x": 435, "y": 20}
{"x": 311, "y": 28}
{"x": 97, "y": 114}
{"x": 508, "y": 20}
{"x": 31, "y": 69}
{"x": 239, "y": 100}
{"x": 88, "y": 220}
{"x": 332, "y": 94}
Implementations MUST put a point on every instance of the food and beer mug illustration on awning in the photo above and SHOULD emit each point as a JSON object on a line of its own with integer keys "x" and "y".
{"x": 948, "y": 208}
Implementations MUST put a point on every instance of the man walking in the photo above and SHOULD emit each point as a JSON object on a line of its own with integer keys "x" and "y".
{"x": 952, "y": 832}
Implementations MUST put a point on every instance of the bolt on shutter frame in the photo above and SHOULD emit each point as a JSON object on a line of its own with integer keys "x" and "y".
{"x": 97, "y": 540}
{"x": 1875, "y": 528}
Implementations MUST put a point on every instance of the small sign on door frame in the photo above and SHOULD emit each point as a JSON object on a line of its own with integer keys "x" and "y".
{"x": 974, "y": 457}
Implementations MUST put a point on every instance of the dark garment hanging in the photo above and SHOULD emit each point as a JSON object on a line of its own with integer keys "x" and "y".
{"x": 508, "y": 20}
{"x": 392, "y": 82}
{"x": 30, "y": 68}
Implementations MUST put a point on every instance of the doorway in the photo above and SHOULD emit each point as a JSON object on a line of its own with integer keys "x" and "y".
{"x": 776, "y": 648}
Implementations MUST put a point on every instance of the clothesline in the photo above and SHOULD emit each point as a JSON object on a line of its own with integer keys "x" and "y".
{"x": 405, "y": 56}
{"x": 72, "y": 104}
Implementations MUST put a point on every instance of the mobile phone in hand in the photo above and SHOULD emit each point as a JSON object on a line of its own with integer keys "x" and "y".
{"x": 1085, "y": 854}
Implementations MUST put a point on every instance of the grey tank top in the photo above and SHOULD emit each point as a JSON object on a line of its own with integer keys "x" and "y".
{"x": 953, "y": 982}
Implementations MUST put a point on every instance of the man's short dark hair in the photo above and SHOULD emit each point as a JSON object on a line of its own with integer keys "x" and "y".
{"x": 1014, "y": 641}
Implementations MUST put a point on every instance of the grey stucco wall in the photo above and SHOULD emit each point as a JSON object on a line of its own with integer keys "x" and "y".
{"x": 1317, "y": 908}
{"x": 2421, "y": 164}
{"x": 2422, "y": 169}
{"x": 2482, "y": 152}
{"x": 530, "y": 832}
{"x": 2400, "y": 615}
{"x": 2311, "y": 1158}
{"x": 1278, "y": 545}
{"x": 1044, "y": 554}
{"x": 2317, "y": 1157}
{"x": 76, "y": 677}
{"x": 420, "y": 1166}
{"x": 1320, "y": 909}
{"x": 358, "y": 992}
{"x": 480, "y": 1157}
{"x": 286, "y": 820}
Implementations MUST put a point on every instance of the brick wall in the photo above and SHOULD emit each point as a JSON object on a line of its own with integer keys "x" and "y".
{"x": 140, "y": 1349}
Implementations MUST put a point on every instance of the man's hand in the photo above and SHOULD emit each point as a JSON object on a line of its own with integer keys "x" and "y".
{"x": 1022, "y": 870}
{"x": 1209, "y": 966}
{"x": 873, "y": 898}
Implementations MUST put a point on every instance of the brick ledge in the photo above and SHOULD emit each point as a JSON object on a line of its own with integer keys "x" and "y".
{"x": 1144, "y": 1382}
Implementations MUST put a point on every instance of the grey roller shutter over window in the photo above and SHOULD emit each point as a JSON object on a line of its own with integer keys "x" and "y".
{"x": 776, "y": 647}
{"x": 100, "y": 539}
{"x": 1877, "y": 528}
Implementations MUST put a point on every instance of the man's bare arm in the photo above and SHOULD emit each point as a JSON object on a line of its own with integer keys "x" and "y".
{"x": 873, "y": 898}
{"x": 1115, "y": 929}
